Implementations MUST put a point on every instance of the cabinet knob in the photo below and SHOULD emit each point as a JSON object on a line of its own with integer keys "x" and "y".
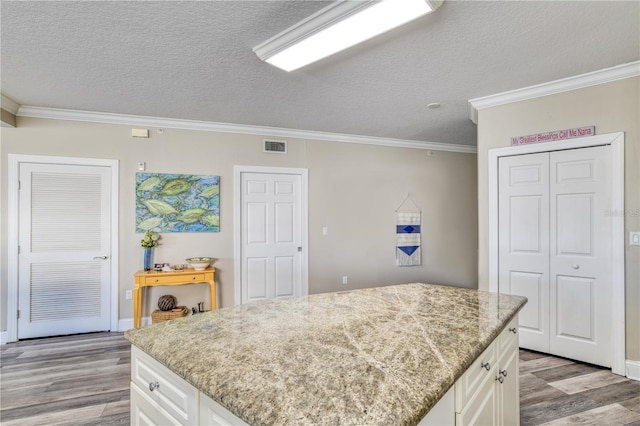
{"x": 575, "y": 266}
{"x": 500, "y": 379}
{"x": 513, "y": 330}
{"x": 503, "y": 373}
{"x": 485, "y": 365}
{"x": 153, "y": 386}
{"x": 157, "y": 280}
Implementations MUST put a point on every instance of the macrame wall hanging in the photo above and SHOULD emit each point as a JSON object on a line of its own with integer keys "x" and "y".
{"x": 408, "y": 252}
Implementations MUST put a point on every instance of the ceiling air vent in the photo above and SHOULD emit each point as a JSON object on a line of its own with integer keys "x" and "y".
{"x": 278, "y": 147}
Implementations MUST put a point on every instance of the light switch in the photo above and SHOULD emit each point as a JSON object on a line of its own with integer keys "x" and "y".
{"x": 141, "y": 166}
{"x": 325, "y": 230}
{"x": 634, "y": 238}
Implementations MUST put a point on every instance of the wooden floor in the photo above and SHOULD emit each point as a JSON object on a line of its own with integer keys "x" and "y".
{"x": 558, "y": 391}
{"x": 84, "y": 380}
{"x": 71, "y": 380}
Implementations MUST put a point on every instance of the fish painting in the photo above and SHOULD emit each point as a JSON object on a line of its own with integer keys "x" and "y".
{"x": 168, "y": 202}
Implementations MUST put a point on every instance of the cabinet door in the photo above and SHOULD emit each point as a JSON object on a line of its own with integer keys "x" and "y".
{"x": 214, "y": 414}
{"x": 146, "y": 412}
{"x": 482, "y": 409}
{"x": 508, "y": 390}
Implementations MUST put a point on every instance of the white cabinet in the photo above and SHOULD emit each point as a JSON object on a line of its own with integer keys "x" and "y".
{"x": 161, "y": 397}
{"x": 487, "y": 393}
{"x": 214, "y": 414}
{"x": 146, "y": 412}
{"x": 155, "y": 386}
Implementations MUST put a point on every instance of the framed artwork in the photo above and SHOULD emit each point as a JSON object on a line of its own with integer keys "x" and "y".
{"x": 177, "y": 203}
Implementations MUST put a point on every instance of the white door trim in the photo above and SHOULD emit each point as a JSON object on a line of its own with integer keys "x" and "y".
{"x": 13, "y": 170}
{"x": 616, "y": 140}
{"x": 237, "y": 223}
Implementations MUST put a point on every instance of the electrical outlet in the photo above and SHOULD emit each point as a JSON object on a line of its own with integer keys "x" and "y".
{"x": 345, "y": 279}
{"x": 634, "y": 238}
{"x": 129, "y": 295}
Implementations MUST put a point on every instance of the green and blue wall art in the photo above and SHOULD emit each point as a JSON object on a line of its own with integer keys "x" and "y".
{"x": 177, "y": 203}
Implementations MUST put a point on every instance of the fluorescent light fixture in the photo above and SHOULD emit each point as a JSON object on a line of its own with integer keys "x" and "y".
{"x": 337, "y": 27}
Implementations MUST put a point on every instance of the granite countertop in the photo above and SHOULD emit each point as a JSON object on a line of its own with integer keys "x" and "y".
{"x": 382, "y": 355}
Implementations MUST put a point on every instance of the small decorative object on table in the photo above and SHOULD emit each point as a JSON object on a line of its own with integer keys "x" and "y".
{"x": 167, "y": 302}
{"x": 149, "y": 241}
{"x": 161, "y": 316}
{"x": 200, "y": 263}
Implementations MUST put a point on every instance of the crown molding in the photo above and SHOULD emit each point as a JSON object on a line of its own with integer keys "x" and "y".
{"x": 9, "y": 104}
{"x": 607, "y": 75}
{"x": 208, "y": 126}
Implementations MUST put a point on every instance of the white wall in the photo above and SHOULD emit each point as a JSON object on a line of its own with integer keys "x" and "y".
{"x": 353, "y": 190}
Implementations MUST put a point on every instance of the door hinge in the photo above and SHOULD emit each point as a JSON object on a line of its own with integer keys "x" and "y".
{"x": 18, "y": 314}
{"x": 18, "y": 249}
{"x": 19, "y": 185}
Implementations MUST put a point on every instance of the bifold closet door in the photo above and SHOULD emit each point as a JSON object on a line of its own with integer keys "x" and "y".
{"x": 555, "y": 249}
{"x": 524, "y": 242}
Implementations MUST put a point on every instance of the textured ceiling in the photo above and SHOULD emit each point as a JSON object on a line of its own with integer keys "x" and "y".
{"x": 194, "y": 60}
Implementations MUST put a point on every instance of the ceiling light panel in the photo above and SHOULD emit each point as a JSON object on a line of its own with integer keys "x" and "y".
{"x": 337, "y": 27}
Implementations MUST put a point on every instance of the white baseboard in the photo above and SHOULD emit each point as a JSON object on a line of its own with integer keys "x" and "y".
{"x": 633, "y": 370}
{"x": 127, "y": 323}
{"x": 3, "y": 337}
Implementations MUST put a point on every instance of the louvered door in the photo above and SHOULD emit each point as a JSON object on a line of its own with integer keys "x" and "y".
{"x": 64, "y": 260}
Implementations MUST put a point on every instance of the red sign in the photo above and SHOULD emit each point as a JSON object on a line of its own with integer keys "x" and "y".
{"x": 558, "y": 135}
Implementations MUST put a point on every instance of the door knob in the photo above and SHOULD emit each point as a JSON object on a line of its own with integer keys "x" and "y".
{"x": 575, "y": 266}
{"x": 101, "y": 257}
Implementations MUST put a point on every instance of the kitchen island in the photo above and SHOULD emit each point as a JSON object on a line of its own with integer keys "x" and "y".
{"x": 382, "y": 355}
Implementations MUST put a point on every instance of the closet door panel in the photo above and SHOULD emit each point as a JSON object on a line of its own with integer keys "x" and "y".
{"x": 580, "y": 262}
{"x": 524, "y": 242}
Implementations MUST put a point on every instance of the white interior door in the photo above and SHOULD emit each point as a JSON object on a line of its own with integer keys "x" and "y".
{"x": 524, "y": 242}
{"x": 271, "y": 234}
{"x": 64, "y": 234}
{"x": 555, "y": 248}
{"x": 580, "y": 262}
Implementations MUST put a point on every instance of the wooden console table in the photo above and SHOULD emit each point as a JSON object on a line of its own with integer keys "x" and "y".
{"x": 153, "y": 279}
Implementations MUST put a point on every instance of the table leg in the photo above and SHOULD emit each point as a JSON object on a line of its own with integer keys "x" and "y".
{"x": 137, "y": 307}
{"x": 212, "y": 290}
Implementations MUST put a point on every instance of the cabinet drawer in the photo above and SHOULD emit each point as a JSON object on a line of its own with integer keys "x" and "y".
{"x": 196, "y": 278}
{"x": 144, "y": 411}
{"x": 171, "y": 392}
{"x": 474, "y": 378}
{"x": 508, "y": 337}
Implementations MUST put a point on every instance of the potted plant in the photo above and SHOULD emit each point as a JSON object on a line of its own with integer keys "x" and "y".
{"x": 149, "y": 241}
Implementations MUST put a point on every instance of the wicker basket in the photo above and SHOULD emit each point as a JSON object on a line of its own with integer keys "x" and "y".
{"x": 161, "y": 316}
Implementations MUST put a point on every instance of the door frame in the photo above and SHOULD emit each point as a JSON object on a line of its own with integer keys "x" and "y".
{"x": 616, "y": 141}
{"x": 13, "y": 212}
{"x": 237, "y": 222}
